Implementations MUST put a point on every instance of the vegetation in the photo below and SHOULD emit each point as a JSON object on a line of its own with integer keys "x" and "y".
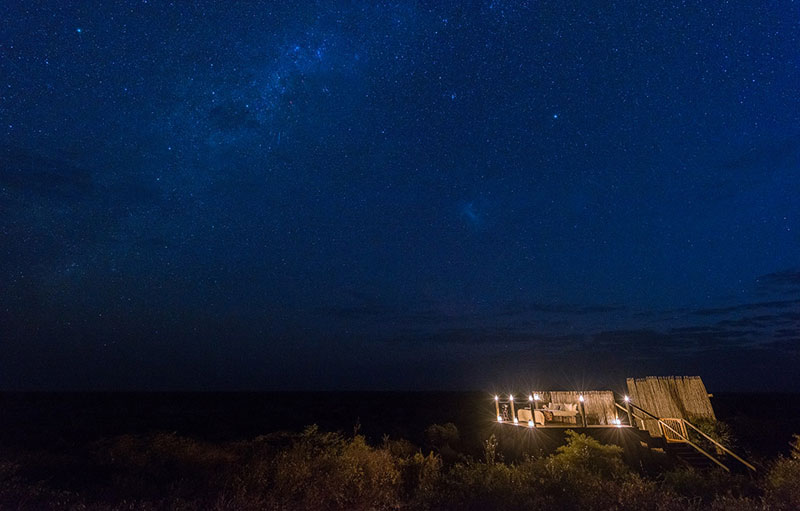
{"x": 318, "y": 470}
{"x": 718, "y": 430}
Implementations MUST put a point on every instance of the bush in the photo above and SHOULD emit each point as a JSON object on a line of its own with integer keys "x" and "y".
{"x": 706, "y": 486}
{"x": 325, "y": 471}
{"x": 421, "y": 476}
{"x": 583, "y": 455}
{"x": 156, "y": 465}
{"x": 582, "y": 475}
{"x": 400, "y": 448}
{"x": 444, "y": 439}
{"x": 490, "y": 454}
{"x": 718, "y": 430}
{"x": 480, "y": 486}
{"x": 316, "y": 470}
{"x": 783, "y": 481}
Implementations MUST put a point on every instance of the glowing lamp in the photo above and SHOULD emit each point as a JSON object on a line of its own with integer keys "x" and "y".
{"x": 580, "y": 398}
{"x": 530, "y": 424}
{"x": 510, "y": 397}
{"x": 627, "y": 399}
{"x": 496, "y": 398}
{"x": 530, "y": 398}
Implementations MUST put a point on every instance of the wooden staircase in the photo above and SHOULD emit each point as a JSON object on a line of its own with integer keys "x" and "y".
{"x": 674, "y": 439}
{"x": 679, "y": 451}
{"x": 688, "y": 455}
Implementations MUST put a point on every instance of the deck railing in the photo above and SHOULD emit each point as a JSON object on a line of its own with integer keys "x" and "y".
{"x": 678, "y": 424}
{"x": 674, "y": 433}
{"x": 720, "y": 446}
{"x": 675, "y": 430}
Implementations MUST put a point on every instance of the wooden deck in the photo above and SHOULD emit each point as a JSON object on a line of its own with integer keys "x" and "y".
{"x": 599, "y": 410}
{"x": 563, "y": 425}
{"x": 559, "y": 410}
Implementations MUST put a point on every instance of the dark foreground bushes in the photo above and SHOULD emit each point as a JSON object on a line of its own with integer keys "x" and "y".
{"x": 317, "y": 470}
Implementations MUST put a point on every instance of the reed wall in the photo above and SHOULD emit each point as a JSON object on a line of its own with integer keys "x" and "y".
{"x": 682, "y": 397}
{"x": 599, "y": 404}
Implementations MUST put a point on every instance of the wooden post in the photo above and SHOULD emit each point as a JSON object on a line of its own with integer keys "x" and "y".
{"x": 628, "y": 409}
{"x": 533, "y": 414}
{"x": 583, "y": 410}
{"x": 497, "y": 407}
{"x": 513, "y": 413}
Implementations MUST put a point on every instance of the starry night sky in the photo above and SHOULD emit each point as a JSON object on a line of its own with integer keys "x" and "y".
{"x": 398, "y": 195}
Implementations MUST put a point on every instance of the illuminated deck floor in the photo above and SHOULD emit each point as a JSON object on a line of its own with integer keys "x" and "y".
{"x": 565, "y": 425}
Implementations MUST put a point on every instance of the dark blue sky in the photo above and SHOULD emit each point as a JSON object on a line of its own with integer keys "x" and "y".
{"x": 398, "y": 195}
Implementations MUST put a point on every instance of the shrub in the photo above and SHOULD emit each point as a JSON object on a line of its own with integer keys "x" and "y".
{"x": 635, "y": 494}
{"x": 440, "y": 435}
{"x": 154, "y": 465}
{"x": 325, "y": 471}
{"x": 708, "y": 484}
{"x": 490, "y": 454}
{"x": 444, "y": 439}
{"x": 400, "y": 448}
{"x": 727, "y": 503}
{"x": 421, "y": 476}
{"x": 718, "y": 430}
{"x": 584, "y": 455}
{"x": 480, "y": 486}
{"x": 783, "y": 481}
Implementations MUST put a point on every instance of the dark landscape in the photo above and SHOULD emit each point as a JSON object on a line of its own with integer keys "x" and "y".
{"x": 763, "y": 423}
{"x": 420, "y": 450}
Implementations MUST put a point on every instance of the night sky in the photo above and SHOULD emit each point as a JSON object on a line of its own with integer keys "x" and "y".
{"x": 398, "y": 195}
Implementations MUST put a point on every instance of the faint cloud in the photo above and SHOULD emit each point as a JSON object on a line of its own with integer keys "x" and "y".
{"x": 775, "y": 304}
{"x": 782, "y": 282}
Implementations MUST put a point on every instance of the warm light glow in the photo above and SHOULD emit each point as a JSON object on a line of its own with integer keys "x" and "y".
{"x": 499, "y": 418}
{"x": 627, "y": 399}
{"x": 580, "y": 398}
{"x": 496, "y": 398}
{"x": 530, "y": 424}
{"x": 510, "y": 397}
{"x": 536, "y": 397}
{"x": 530, "y": 398}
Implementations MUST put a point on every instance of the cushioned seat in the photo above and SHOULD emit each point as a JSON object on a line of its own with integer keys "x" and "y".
{"x": 561, "y": 412}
